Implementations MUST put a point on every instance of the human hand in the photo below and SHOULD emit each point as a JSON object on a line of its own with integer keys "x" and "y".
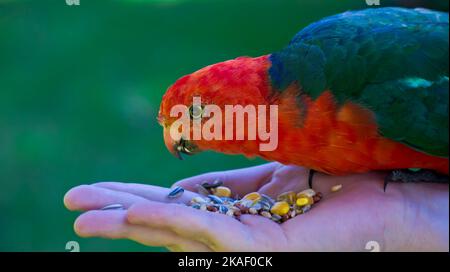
{"x": 406, "y": 217}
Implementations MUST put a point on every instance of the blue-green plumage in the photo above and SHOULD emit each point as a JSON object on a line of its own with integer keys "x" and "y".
{"x": 393, "y": 61}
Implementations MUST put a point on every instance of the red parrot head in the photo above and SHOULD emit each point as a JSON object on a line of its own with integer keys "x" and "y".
{"x": 242, "y": 81}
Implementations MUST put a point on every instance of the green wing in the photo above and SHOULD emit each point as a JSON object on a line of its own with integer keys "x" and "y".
{"x": 391, "y": 60}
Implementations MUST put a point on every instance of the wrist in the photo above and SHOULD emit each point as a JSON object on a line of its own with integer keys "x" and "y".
{"x": 421, "y": 218}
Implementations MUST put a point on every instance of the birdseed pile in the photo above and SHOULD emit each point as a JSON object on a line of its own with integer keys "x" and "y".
{"x": 214, "y": 197}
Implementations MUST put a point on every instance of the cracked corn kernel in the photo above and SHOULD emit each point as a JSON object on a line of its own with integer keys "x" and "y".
{"x": 255, "y": 197}
{"x": 304, "y": 200}
{"x": 222, "y": 191}
{"x": 280, "y": 208}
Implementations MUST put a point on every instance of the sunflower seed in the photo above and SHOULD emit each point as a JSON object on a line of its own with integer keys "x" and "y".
{"x": 215, "y": 184}
{"x": 113, "y": 207}
{"x": 215, "y": 199}
{"x": 176, "y": 192}
{"x": 228, "y": 200}
{"x": 257, "y": 206}
{"x": 306, "y": 208}
{"x": 223, "y": 209}
{"x": 265, "y": 205}
{"x": 267, "y": 199}
{"x": 276, "y": 217}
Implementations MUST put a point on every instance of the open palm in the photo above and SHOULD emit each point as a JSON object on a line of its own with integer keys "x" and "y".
{"x": 400, "y": 219}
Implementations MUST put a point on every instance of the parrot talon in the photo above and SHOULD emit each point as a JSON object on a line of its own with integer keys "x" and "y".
{"x": 310, "y": 177}
{"x": 413, "y": 176}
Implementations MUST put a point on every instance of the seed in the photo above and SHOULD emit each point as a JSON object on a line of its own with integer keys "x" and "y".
{"x": 316, "y": 198}
{"x": 265, "y": 205}
{"x": 202, "y": 190}
{"x": 176, "y": 192}
{"x": 198, "y": 199}
{"x": 222, "y": 191}
{"x": 280, "y": 208}
{"x": 253, "y": 203}
{"x": 253, "y": 211}
{"x": 303, "y": 201}
{"x": 254, "y": 197}
{"x": 307, "y": 192}
{"x": 276, "y": 217}
{"x": 289, "y": 197}
{"x": 267, "y": 199}
{"x": 266, "y": 214}
{"x": 336, "y": 188}
{"x": 223, "y": 209}
{"x": 228, "y": 200}
{"x": 244, "y": 209}
{"x": 215, "y": 199}
{"x": 113, "y": 207}
{"x": 306, "y": 208}
{"x": 234, "y": 208}
{"x": 215, "y": 184}
{"x": 230, "y": 213}
{"x": 245, "y": 203}
{"x": 257, "y": 206}
{"x": 292, "y": 213}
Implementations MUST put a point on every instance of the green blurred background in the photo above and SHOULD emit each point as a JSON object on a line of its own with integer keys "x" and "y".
{"x": 80, "y": 88}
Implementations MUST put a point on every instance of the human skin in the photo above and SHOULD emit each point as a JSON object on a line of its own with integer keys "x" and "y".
{"x": 407, "y": 217}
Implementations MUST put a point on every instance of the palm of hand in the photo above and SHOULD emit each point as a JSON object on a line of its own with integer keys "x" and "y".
{"x": 345, "y": 220}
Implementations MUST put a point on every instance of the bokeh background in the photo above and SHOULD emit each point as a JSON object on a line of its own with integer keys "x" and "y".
{"x": 80, "y": 88}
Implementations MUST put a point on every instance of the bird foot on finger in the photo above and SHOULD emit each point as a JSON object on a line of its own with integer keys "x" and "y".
{"x": 413, "y": 176}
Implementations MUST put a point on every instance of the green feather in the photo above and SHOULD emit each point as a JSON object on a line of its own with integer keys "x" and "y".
{"x": 393, "y": 61}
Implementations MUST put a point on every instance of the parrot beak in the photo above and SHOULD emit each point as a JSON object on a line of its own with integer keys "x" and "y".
{"x": 171, "y": 144}
{"x": 176, "y": 147}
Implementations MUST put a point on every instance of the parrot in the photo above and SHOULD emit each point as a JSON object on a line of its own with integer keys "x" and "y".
{"x": 364, "y": 90}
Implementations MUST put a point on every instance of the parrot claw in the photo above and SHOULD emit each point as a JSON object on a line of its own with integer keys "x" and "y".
{"x": 310, "y": 177}
{"x": 412, "y": 176}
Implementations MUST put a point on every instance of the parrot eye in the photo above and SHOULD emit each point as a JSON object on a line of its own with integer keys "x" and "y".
{"x": 196, "y": 111}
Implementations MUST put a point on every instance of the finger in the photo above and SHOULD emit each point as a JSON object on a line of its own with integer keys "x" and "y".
{"x": 268, "y": 235}
{"x": 113, "y": 225}
{"x": 87, "y": 197}
{"x": 218, "y": 231}
{"x": 287, "y": 178}
{"x": 240, "y": 181}
{"x": 149, "y": 192}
